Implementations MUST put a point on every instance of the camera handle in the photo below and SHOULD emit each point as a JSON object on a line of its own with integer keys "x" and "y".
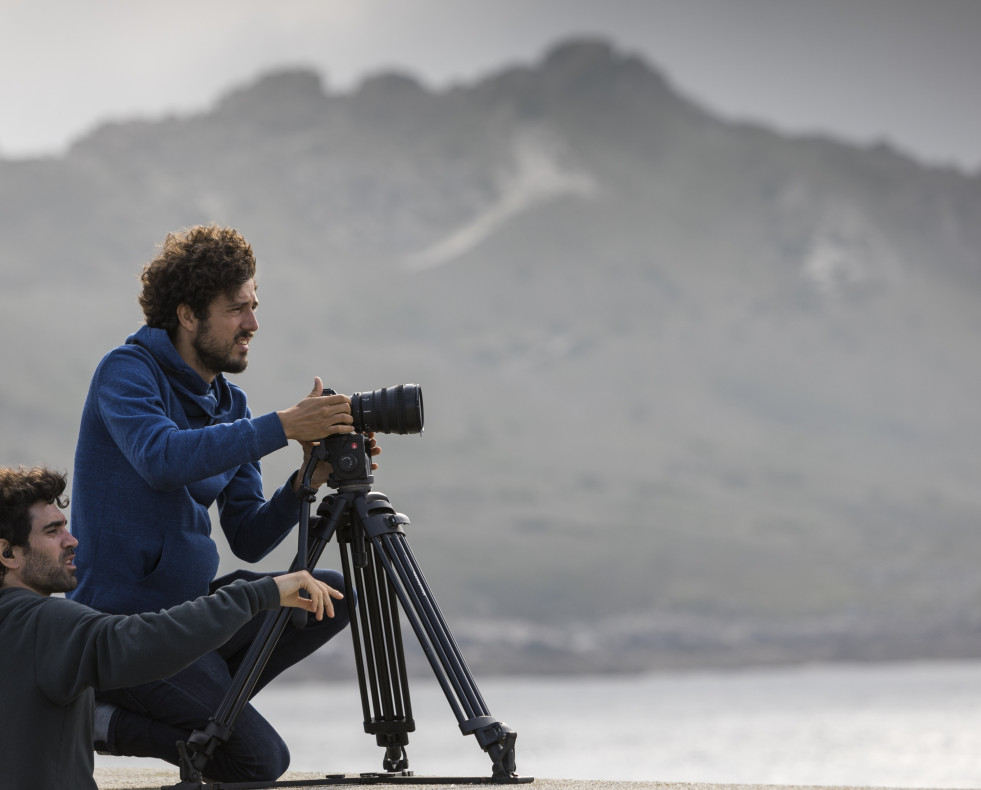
{"x": 380, "y": 572}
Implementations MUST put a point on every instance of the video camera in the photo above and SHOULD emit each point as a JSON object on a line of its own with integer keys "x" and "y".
{"x": 386, "y": 410}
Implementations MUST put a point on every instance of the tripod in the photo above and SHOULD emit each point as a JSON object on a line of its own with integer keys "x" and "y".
{"x": 380, "y": 572}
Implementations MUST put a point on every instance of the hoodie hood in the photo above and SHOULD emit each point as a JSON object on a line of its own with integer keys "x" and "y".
{"x": 211, "y": 402}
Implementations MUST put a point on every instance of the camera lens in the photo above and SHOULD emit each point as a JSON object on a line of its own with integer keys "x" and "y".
{"x": 388, "y": 410}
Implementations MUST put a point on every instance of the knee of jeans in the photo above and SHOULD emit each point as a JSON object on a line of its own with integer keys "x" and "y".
{"x": 344, "y": 604}
{"x": 271, "y": 761}
{"x": 341, "y": 618}
{"x": 330, "y": 577}
{"x": 275, "y": 762}
{"x": 263, "y": 757}
{"x": 335, "y": 579}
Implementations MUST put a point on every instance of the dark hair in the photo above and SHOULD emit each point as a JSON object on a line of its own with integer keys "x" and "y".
{"x": 193, "y": 267}
{"x": 20, "y": 490}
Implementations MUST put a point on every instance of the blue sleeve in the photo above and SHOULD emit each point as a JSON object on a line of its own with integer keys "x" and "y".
{"x": 253, "y": 525}
{"x": 165, "y": 454}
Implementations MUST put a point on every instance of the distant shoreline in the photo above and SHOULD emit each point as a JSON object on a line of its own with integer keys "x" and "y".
{"x": 495, "y": 660}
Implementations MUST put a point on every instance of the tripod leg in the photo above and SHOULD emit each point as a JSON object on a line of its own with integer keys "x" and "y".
{"x": 384, "y": 527}
{"x": 445, "y": 658}
{"x": 195, "y": 753}
{"x": 379, "y": 657}
{"x": 438, "y": 643}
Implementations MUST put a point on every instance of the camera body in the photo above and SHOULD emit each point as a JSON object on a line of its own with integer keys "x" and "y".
{"x": 387, "y": 410}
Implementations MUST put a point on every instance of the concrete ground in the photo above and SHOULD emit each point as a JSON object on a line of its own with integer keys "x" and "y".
{"x": 153, "y": 779}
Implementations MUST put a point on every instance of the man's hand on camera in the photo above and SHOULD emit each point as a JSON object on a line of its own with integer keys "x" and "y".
{"x": 372, "y": 447}
{"x": 319, "y": 602}
{"x": 317, "y": 416}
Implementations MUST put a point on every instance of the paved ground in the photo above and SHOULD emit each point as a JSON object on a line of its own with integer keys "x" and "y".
{"x": 152, "y": 779}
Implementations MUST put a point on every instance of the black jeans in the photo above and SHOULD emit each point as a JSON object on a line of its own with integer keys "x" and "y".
{"x": 155, "y": 716}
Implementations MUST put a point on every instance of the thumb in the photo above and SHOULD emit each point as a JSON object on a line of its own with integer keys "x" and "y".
{"x": 318, "y": 387}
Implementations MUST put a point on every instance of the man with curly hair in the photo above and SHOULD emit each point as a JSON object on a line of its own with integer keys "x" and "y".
{"x": 163, "y": 437}
{"x": 55, "y": 651}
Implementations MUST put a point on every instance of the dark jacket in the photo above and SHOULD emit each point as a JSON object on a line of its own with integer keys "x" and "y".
{"x": 53, "y": 652}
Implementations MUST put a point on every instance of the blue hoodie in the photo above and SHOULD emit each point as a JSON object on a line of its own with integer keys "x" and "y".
{"x": 156, "y": 448}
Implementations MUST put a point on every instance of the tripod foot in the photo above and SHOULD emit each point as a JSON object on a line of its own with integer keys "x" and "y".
{"x": 497, "y": 739}
{"x": 191, "y": 778}
{"x": 502, "y": 757}
{"x": 396, "y": 759}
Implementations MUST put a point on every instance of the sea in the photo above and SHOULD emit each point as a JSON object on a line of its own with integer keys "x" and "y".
{"x": 886, "y": 725}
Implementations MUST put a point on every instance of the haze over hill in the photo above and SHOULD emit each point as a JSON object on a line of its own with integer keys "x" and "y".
{"x": 695, "y": 392}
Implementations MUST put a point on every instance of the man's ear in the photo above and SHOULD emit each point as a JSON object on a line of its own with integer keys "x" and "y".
{"x": 187, "y": 318}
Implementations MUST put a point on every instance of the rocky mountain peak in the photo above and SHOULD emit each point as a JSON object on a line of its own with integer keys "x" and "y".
{"x": 283, "y": 89}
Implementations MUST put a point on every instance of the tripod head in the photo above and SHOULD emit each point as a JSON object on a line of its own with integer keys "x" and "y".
{"x": 347, "y": 454}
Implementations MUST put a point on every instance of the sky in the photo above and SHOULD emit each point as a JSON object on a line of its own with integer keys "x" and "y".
{"x": 903, "y": 72}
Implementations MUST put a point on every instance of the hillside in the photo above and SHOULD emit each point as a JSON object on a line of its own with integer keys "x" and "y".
{"x": 696, "y": 392}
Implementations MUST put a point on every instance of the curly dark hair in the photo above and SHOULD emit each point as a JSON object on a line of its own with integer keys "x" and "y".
{"x": 193, "y": 267}
{"x": 20, "y": 490}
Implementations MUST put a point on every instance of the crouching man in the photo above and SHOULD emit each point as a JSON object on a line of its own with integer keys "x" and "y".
{"x": 54, "y": 651}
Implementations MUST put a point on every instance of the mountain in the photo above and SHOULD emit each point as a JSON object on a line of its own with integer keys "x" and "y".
{"x": 696, "y": 392}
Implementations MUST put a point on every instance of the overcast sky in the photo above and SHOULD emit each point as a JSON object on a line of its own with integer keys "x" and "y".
{"x": 904, "y": 71}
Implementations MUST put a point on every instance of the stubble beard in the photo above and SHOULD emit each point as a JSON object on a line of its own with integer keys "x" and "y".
{"x": 218, "y": 357}
{"x": 46, "y": 577}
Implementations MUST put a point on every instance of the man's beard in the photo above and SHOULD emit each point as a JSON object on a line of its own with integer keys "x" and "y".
{"x": 217, "y": 357}
{"x": 44, "y": 576}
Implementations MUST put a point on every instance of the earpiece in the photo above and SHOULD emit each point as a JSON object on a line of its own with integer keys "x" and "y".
{"x": 8, "y": 554}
